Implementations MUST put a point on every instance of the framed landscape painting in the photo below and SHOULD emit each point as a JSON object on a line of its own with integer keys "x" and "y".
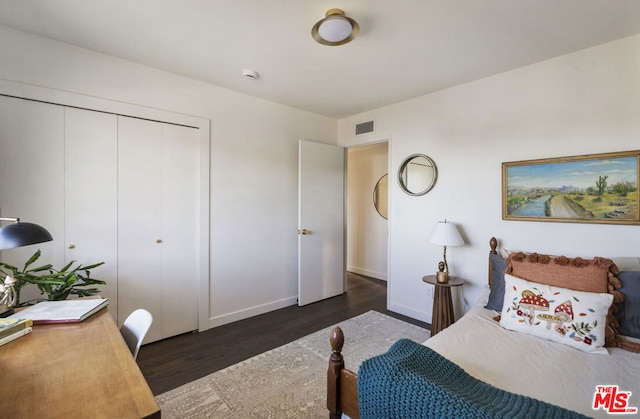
{"x": 596, "y": 188}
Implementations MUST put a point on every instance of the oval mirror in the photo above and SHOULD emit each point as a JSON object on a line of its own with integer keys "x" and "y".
{"x": 381, "y": 196}
{"x": 417, "y": 174}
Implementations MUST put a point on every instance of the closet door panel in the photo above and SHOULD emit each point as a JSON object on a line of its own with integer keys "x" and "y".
{"x": 139, "y": 220}
{"x": 113, "y": 189}
{"x": 31, "y": 176}
{"x": 180, "y": 215}
{"x": 91, "y": 182}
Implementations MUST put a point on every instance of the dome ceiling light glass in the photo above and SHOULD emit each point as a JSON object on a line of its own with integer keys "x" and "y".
{"x": 335, "y": 28}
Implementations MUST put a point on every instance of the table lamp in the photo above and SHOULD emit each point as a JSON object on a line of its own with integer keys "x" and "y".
{"x": 445, "y": 234}
{"x": 13, "y": 235}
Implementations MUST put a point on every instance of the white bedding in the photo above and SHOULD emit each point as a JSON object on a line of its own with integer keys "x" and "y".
{"x": 534, "y": 367}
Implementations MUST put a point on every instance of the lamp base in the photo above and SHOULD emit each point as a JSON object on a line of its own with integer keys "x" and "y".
{"x": 7, "y": 313}
{"x": 442, "y": 277}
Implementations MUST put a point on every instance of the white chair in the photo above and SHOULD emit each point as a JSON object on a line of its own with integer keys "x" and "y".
{"x": 135, "y": 328}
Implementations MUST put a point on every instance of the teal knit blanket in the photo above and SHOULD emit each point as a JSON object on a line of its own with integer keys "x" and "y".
{"x": 414, "y": 381}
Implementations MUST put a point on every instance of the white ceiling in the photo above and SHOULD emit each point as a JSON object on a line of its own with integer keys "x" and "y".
{"x": 406, "y": 48}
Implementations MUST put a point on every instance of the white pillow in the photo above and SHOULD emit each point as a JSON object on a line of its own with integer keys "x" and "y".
{"x": 574, "y": 318}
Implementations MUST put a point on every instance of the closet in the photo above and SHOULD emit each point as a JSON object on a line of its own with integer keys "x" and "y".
{"x": 157, "y": 223}
{"x": 90, "y": 196}
{"x": 110, "y": 188}
{"x": 32, "y": 173}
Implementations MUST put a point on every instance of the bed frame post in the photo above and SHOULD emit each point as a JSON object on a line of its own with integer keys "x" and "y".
{"x": 493, "y": 243}
{"x": 336, "y": 364}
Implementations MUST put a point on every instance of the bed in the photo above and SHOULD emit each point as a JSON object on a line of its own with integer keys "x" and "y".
{"x": 572, "y": 359}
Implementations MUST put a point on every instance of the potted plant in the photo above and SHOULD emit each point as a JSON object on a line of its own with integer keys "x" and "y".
{"x": 57, "y": 284}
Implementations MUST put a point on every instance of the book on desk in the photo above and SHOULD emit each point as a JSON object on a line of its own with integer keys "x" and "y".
{"x": 67, "y": 311}
{"x": 13, "y": 328}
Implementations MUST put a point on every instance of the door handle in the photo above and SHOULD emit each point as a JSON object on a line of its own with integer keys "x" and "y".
{"x": 304, "y": 232}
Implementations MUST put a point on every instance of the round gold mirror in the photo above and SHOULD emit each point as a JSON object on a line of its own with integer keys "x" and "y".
{"x": 381, "y": 197}
{"x": 417, "y": 174}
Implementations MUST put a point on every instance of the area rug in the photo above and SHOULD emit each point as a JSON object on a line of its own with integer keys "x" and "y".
{"x": 289, "y": 381}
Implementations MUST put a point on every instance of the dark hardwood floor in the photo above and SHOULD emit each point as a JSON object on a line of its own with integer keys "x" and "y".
{"x": 169, "y": 363}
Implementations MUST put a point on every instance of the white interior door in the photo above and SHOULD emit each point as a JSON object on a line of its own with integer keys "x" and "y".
{"x": 91, "y": 193}
{"x": 320, "y": 221}
{"x": 140, "y": 220}
{"x": 32, "y": 177}
{"x": 179, "y": 229}
{"x": 158, "y": 224}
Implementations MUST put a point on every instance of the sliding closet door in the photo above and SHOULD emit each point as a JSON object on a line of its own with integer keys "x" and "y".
{"x": 139, "y": 220}
{"x": 157, "y": 224}
{"x": 180, "y": 180}
{"x": 32, "y": 175}
{"x": 91, "y": 182}
{"x": 113, "y": 189}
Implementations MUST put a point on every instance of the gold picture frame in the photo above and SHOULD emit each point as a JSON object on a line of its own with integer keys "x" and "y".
{"x": 591, "y": 188}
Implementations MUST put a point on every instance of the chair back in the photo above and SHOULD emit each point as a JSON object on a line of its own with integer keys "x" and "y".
{"x": 135, "y": 328}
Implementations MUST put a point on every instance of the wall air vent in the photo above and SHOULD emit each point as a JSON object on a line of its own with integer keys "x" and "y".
{"x": 364, "y": 127}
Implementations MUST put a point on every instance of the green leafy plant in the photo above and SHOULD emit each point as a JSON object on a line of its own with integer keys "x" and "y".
{"x": 56, "y": 284}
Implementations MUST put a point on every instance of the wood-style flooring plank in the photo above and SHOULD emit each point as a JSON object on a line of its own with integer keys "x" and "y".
{"x": 172, "y": 362}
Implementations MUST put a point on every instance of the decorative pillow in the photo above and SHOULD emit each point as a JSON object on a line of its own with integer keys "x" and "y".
{"x": 591, "y": 275}
{"x": 496, "y": 295}
{"x": 573, "y": 318}
{"x": 628, "y": 314}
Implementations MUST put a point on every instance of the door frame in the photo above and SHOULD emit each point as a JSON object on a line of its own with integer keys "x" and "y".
{"x": 346, "y": 191}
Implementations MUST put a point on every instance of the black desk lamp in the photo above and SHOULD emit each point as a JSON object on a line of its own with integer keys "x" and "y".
{"x": 13, "y": 235}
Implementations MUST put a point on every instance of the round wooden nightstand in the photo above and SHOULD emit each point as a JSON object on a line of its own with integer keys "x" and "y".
{"x": 442, "y": 314}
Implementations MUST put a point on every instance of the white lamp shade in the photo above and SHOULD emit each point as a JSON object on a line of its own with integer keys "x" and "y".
{"x": 445, "y": 234}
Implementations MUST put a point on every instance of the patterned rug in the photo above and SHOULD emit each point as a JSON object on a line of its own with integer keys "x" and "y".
{"x": 289, "y": 381}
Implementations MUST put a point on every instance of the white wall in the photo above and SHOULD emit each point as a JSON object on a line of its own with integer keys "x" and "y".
{"x": 254, "y": 145}
{"x": 366, "y": 229}
{"x": 586, "y": 102}
{"x": 582, "y": 103}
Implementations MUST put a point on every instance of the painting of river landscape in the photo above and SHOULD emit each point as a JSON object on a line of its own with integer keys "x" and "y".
{"x": 601, "y": 188}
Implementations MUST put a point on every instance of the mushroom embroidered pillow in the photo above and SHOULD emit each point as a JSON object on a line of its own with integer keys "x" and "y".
{"x": 574, "y": 318}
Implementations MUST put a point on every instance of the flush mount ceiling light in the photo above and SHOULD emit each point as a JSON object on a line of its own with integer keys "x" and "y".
{"x": 335, "y": 28}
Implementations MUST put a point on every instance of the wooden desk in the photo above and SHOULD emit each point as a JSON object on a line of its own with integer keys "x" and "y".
{"x": 73, "y": 370}
{"x": 442, "y": 314}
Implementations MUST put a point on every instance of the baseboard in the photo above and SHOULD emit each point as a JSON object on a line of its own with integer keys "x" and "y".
{"x": 409, "y": 312}
{"x": 366, "y": 272}
{"x": 251, "y": 311}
